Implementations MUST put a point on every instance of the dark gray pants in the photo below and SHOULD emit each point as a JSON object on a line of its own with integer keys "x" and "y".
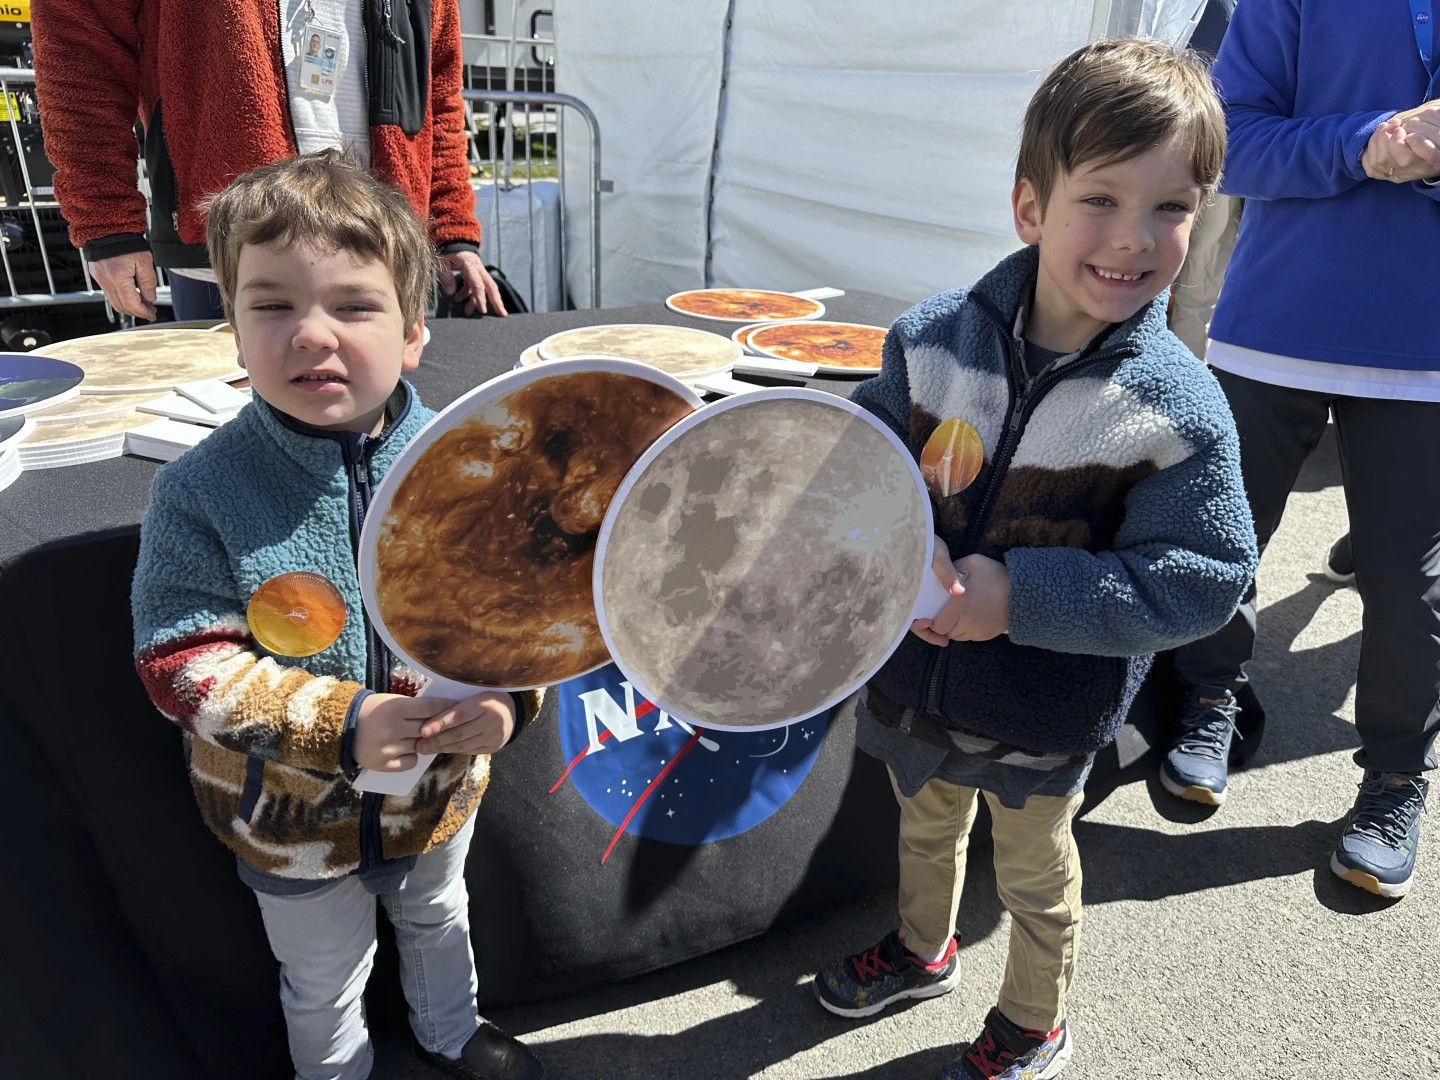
{"x": 1390, "y": 461}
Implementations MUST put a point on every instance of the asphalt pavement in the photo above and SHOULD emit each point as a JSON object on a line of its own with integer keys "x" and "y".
{"x": 1216, "y": 944}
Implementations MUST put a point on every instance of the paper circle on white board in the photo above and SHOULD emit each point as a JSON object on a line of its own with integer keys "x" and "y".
{"x": 30, "y": 381}
{"x": 681, "y": 351}
{"x": 741, "y": 335}
{"x": 763, "y": 559}
{"x": 10, "y": 468}
{"x": 133, "y": 362}
{"x": 744, "y": 305}
{"x": 476, "y": 554}
{"x": 14, "y": 428}
{"x": 835, "y": 348}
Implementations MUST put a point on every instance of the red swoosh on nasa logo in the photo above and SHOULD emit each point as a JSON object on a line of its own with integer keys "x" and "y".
{"x": 689, "y": 745}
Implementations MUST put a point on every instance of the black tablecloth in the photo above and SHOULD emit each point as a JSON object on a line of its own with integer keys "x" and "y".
{"x": 131, "y": 948}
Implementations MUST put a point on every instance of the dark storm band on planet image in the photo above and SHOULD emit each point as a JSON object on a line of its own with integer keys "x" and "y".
{"x": 763, "y": 559}
{"x": 483, "y": 562}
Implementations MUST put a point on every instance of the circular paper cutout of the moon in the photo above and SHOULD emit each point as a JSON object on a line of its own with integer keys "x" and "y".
{"x": 131, "y": 362}
{"x": 681, "y": 351}
{"x": 952, "y": 457}
{"x": 838, "y": 348}
{"x": 744, "y": 305}
{"x": 31, "y": 381}
{"x": 298, "y": 613}
{"x": 763, "y": 559}
{"x": 477, "y": 553}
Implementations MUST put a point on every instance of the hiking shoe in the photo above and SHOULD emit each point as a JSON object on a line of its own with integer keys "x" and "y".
{"x": 1382, "y": 833}
{"x": 1197, "y": 765}
{"x": 863, "y": 984}
{"x": 1339, "y": 564}
{"x": 489, "y": 1054}
{"x": 1006, "y": 1051}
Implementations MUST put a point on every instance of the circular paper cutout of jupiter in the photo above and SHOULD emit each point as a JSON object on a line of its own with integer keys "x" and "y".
{"x": 681, "y": 351}
{"x": 763, "y": 559}
{"x": 476, "y": 557}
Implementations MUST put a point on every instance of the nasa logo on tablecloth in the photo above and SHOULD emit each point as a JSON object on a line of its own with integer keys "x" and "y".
{"x": 651, "y": 775}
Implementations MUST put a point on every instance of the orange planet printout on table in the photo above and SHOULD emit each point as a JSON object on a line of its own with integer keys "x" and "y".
{"x": 835, "y": 347}
{"x": 744, "y": 305}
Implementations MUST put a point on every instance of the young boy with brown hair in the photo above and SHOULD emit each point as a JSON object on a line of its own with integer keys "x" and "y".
{"x": 1107, "y": 521}
{"x": 324, "y": 272}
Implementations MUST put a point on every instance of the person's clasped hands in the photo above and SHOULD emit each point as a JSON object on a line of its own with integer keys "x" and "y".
{"x": 1406, "y": 147}
{"x": 392, "y": 729}
{"x": 978, "y": 607}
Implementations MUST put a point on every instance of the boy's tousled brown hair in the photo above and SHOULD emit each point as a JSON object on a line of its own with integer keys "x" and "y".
{"x": 323, "y": 199}
{"x": 1111, "y": 101}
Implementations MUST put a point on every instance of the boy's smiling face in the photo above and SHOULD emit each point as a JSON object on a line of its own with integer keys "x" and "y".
{"x": 1111, "y": 238}
{"x": 321, "y": 334}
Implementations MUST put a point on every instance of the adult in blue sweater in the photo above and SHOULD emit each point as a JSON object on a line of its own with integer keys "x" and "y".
{"x": 1328, "y": 310}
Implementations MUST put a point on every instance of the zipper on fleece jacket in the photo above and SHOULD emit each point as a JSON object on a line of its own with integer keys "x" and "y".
{"x": 356, "y": 452}
{"x": 1025, "y": 395}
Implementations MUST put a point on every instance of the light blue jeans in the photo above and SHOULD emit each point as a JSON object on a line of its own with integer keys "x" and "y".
{"x": 325, "y": 942}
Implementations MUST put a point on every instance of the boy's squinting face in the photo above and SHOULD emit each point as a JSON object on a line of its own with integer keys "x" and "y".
{"x": 321, "y": 334}
{"x": 1111, "y": 238}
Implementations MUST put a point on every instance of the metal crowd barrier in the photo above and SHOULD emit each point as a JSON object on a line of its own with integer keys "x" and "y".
{"x": 532, "y": 115}
{"x": 41, "y": 268}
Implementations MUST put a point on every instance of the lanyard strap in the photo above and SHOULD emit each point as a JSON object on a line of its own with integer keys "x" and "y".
{"x": 1421, "y": 15}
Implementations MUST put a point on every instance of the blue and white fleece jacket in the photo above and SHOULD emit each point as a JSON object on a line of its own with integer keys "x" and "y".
{"x": 270, "y": 738}
{"x": 1110, "y": 488}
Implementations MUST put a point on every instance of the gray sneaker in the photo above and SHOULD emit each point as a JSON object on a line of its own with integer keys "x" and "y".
{"x": 1382, "y": 834}
{"x": 1197, "y": 765}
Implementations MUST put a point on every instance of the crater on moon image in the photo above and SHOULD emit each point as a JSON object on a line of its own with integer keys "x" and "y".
{"x": 765, "y": 562}
{"x": 485, "y": 555}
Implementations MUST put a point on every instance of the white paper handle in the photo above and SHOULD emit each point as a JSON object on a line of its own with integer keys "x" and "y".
{"x": 932, "y": 598}
{"x": 402, "y": 783}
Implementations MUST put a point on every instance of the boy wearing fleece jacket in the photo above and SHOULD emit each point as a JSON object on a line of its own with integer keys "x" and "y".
{"x": 1107, "y": 521}
{"x": 324, "y": 272}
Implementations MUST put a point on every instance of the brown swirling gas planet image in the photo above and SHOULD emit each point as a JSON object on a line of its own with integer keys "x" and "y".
{"x": 484, "y": 555}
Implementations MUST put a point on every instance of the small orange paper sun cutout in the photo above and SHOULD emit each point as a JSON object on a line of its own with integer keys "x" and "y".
{"x": 296, "y": 614}
{"x": 952, "y": 458}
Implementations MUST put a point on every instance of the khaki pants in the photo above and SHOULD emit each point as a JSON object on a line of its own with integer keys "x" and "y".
{"x": 1037, "y": 874}
{"x": 1198, "y": 285}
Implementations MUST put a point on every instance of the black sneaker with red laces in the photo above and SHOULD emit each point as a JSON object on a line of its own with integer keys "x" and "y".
{"x": 863, "y": 984}
{"x": 1006, "y": 1051}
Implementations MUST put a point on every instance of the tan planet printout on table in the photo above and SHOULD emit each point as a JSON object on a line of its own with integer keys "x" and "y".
{"x": 136, "y": 361}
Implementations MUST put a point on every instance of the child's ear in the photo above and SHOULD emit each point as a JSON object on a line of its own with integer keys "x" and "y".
{"x": 414, "y": 342}
{"x": 1027, "y": 211}
{"x": 239, "y": 348}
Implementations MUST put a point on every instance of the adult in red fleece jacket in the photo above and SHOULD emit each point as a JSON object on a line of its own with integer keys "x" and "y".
{"x": 207, "y": 83}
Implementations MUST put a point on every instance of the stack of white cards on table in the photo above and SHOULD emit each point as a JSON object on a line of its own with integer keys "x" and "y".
{"x": 187, "y": 415}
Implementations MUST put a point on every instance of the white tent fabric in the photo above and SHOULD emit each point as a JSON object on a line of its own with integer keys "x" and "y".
{"x": 875, "y": 153}
{"x": 787, "y": 144}
{"x": 651, "y": 73}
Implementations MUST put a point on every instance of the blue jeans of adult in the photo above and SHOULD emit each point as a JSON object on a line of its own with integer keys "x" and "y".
{"x": 192, "y": 299}
{"x": 325, "y": 942}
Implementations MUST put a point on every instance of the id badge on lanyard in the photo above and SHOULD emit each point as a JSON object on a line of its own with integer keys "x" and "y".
{"x": 319, "y": 53}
